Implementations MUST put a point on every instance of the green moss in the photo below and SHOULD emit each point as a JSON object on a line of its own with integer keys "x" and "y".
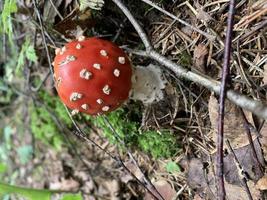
{"x": 126, "y": 123}
{"x": 42, "y": 124}
{"x": 185, "y": 59}
{"x": 158, "y": 144}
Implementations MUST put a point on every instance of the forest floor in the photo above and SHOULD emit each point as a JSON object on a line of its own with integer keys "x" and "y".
{"x": 170, "y": 144}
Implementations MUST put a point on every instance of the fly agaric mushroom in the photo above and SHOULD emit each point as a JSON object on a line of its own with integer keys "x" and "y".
{"x": 92, "y": 75}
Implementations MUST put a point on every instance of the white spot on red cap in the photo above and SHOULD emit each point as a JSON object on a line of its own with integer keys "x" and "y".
{"x": 84, "y": 73}
{"x": 68, "y": 59}
{"x": 81, "y": 38}
{"x": 75, "y": 96}
{"x": 116, "y": 72}
{"x": 99, "y": 101}
{"x": 63, "y": 49}
{"x": 71, "y": 58}
{"x": 58, "y": 82}
{"x": 103, "y": 52}
{"x": 85, "y": 106}
{"x": 97, "y": 66}
{"x": 106, "y": 89}
{"x": 105, "y": 108}
{"x": 121, "y": 60}
{"x": 74, "y": 112}
{"x": 57, "y": 51}
{"x": 78, "y": 46}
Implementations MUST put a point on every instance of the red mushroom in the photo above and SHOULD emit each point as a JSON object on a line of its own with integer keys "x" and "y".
{"x": 92, "y": 75}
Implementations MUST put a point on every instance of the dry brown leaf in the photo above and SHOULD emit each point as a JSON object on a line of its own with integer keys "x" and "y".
{"x": 264, "y": 80}
{"x": 164, "y": 188}
{"x": 246, "y": 160}
{"x": 238, "y": 193}
{"x": 68, "y": 26}
{"x": 233, "y": 123}
{"x": 201, "y": 14}
{"x": 113, "y": 186}
{"x": 203, "y": 182}
{"x": 199, "y": 57}
{"x": 65, "y": 185}
{"x": 263, "y": 140}
{"x": 262, "y": 183}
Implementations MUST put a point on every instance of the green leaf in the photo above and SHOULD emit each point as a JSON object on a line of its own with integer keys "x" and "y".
{"x": 7, "y": 136}
{"x": 10, "y": 7}
{"x": 3, "y": 168}
{"x": 25, "y": 153}
{"x": 30, "y": 53}
{"x": 172, "y": 167}
{"x": 30, "y": 194}
{"x": 72, "y": 197}
{"x": 27, "y": 51}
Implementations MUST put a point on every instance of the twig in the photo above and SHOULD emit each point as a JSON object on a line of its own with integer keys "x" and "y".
{"x": 225, "y": 77}
{"x": 254, "y": 106}
{"x": 43, "y": 35}
{"x": 240, "y": 170}
{"x": 249, "y": 136}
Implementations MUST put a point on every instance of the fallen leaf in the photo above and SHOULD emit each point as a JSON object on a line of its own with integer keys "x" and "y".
{"x": 164, "y": 188}
{"x": 262, "y": 183}
{"x": 201, "y": 14}
{"x": 203, "y": 182}
{"x": 264, "y": 80}
{"x": 234, "y": 130}
{"x": 81, "y": 19}
{"x": 199, "y": 57}
{"x": 113, "y": 186}
{"x": 65, "y": 185}
{"x": 263, "y": 140}
{"x": 247, "y": 161}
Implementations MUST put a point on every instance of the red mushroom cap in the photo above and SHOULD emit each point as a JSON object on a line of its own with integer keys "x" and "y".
{"x": 92, "y": 75}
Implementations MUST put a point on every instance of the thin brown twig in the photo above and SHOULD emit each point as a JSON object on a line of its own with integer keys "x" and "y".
{"x": 241, "y": 173}
{"x": 43, "y": 35}
{"x": 225, "y": 78}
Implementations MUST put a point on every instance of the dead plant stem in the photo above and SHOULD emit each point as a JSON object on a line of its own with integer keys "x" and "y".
{"x": 225, "y": 78}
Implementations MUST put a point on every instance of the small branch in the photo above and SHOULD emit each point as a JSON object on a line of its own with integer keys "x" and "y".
{"x": 43, "y": 35}
{"x": 240, "y": 170}
{"x": 225, "y": 79}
